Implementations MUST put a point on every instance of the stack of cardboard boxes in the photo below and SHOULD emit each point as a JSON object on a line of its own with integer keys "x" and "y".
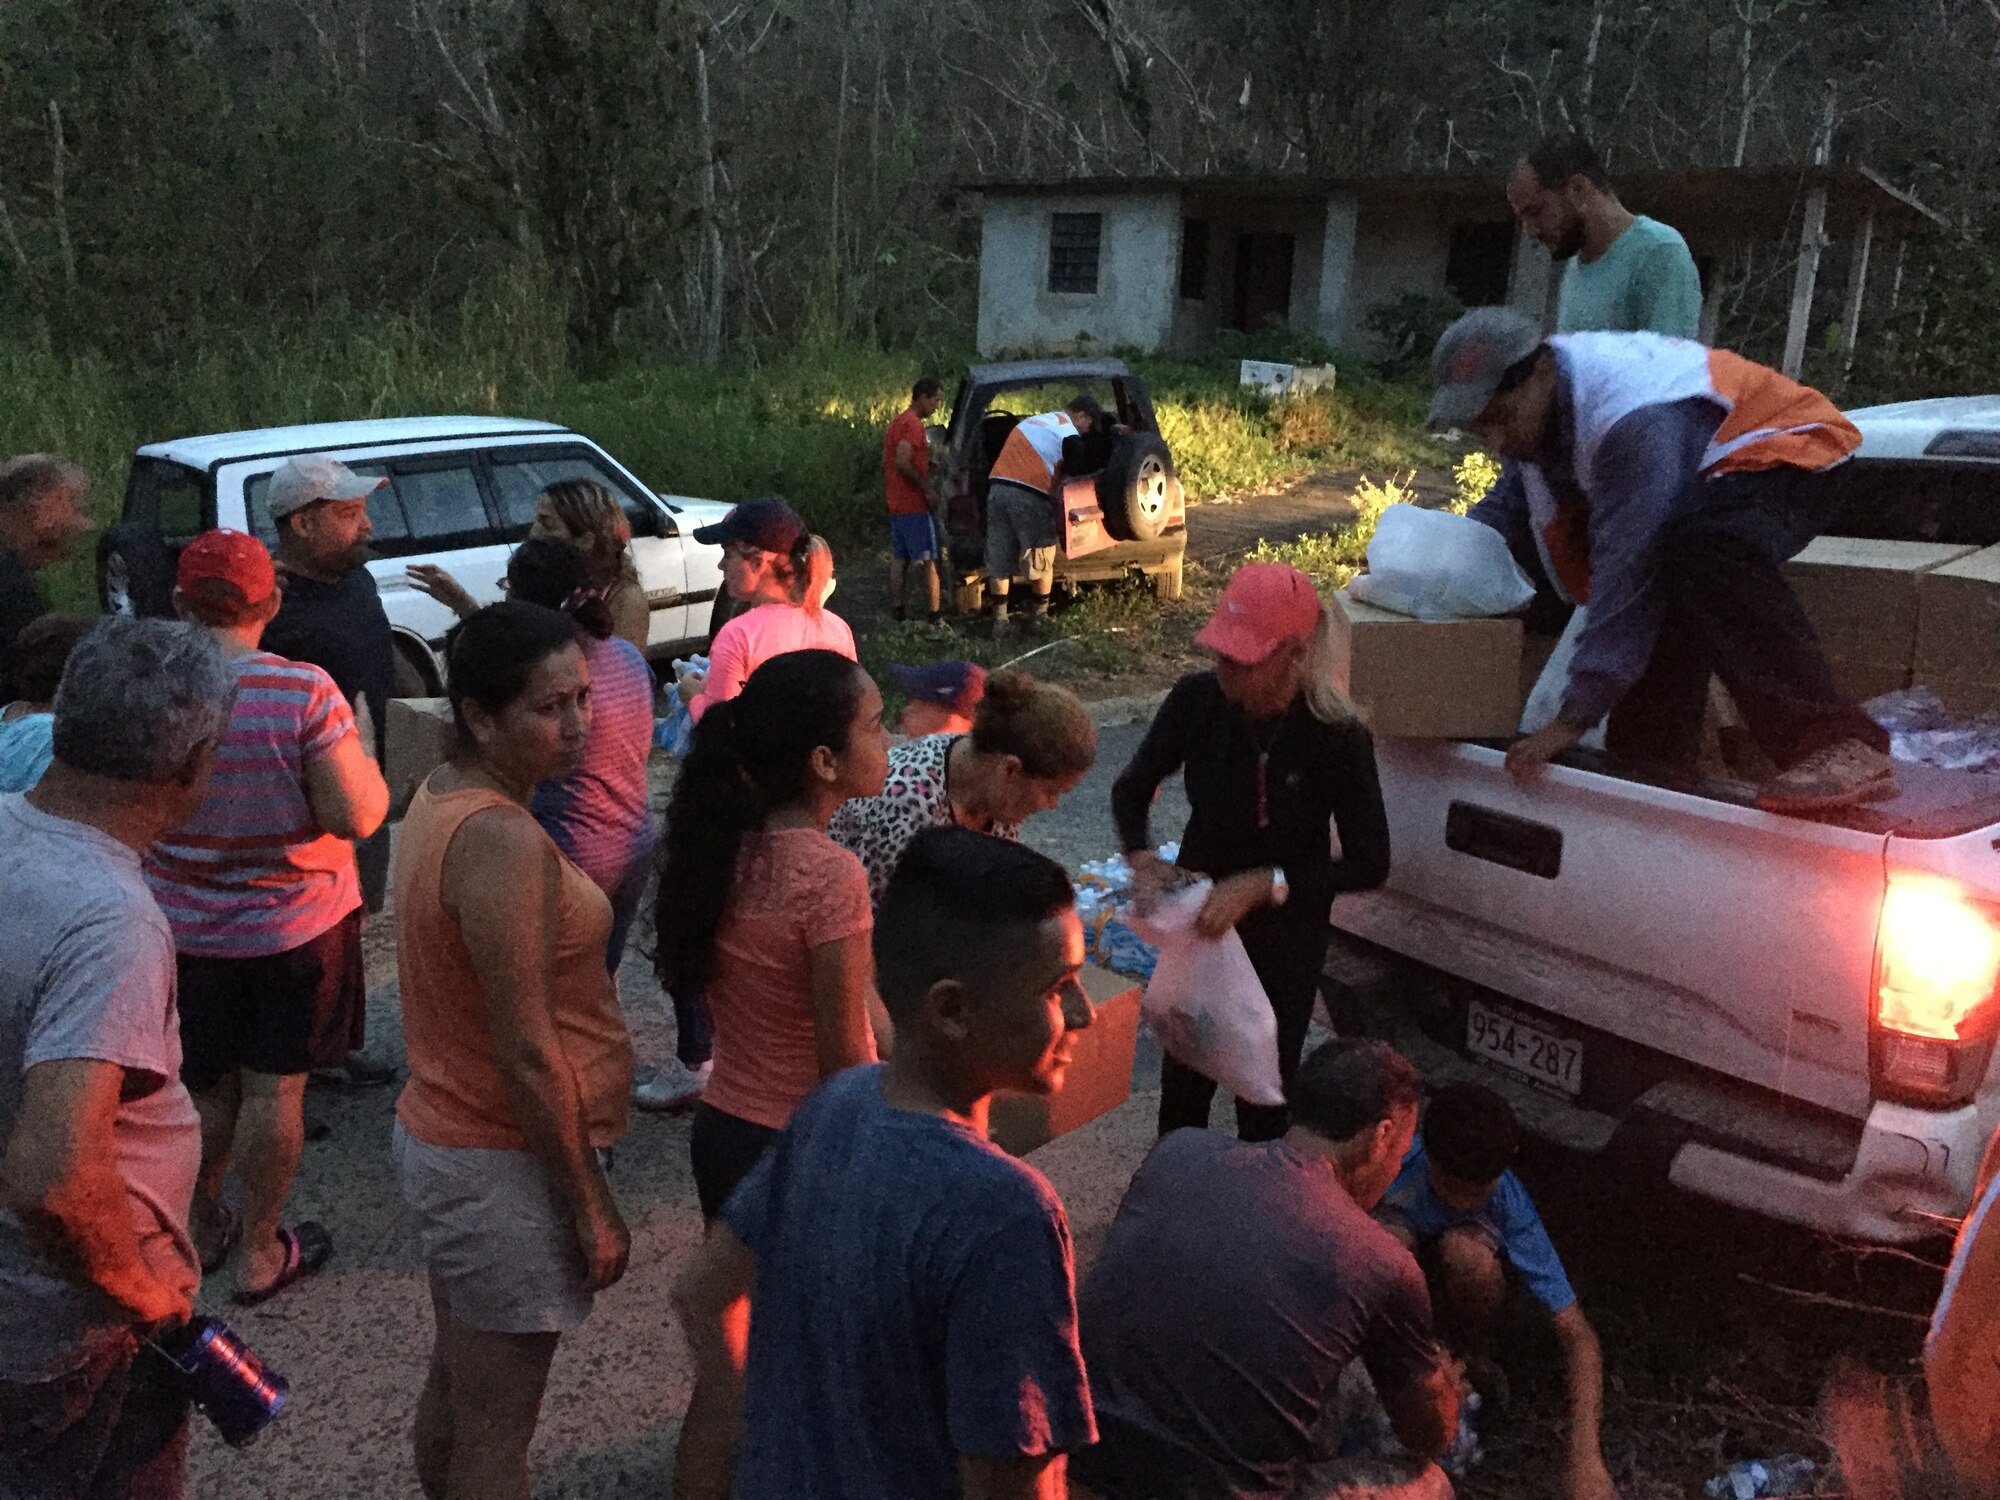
{"x": 1865, "y": 600}
{"x": 1958, "y": 633}
{"x": 1891, "y": 615}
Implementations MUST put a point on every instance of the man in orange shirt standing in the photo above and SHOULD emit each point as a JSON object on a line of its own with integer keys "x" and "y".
{"x": 906, "y": 469}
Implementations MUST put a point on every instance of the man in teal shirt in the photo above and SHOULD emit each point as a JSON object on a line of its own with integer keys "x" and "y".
{"x": 1621, "y": 272}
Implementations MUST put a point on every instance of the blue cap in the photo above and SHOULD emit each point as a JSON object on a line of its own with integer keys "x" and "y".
{"x": 768, "y": 524}
{"x": 956, "y": 685}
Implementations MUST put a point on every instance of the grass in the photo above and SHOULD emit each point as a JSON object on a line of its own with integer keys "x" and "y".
{"x": 806, "y": 424}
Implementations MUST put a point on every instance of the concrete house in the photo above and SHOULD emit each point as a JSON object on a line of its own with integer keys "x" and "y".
{"x": 1160, "y": 263}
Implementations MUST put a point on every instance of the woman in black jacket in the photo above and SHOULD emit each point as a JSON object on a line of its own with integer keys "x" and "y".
{"x": 1272, "y": 752}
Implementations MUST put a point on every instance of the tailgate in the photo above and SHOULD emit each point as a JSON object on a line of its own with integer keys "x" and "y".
{"x": 1737, "y": 941}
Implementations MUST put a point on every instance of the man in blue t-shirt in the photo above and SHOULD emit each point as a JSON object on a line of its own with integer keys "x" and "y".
{"x": 913, "y": 1331}
{"x": 1472, "y": 1224}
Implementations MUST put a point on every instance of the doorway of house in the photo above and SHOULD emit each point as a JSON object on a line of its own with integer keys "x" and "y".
{"x": 1263, "y": 279}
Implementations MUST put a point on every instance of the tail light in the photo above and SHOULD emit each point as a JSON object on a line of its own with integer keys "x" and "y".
{"x": 1937, "y": 993}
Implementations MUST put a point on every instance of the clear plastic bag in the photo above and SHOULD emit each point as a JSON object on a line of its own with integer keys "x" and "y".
{"x": 1437, "y": 565}
{"x": 1205, "y": 1002}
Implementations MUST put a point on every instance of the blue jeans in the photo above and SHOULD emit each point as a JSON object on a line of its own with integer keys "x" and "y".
{"x": 625, "y": 899}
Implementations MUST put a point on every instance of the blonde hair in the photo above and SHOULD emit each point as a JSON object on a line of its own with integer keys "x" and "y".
{"x": 807, "y": 573}
{"x": 1326, "y": 676}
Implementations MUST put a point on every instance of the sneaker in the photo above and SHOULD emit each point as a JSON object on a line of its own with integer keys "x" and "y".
{"x": 1836, "y": 776}
{"x": 673, "y": 1088}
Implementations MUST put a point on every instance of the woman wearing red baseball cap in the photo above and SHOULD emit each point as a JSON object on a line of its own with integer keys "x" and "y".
{"x": 1273, "y": 755}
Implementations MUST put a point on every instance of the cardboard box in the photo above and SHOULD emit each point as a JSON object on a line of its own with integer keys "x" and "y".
{"x": 1861, "y": 597}
{"x": 1434, "y": 679}
{"x": 1958, "y": 633}
{"x": 420, "y": 735}
{"x": 1099, "y": 1077}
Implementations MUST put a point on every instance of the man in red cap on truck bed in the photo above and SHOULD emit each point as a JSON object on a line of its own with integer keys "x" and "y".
{"x": 1666, "y": 484}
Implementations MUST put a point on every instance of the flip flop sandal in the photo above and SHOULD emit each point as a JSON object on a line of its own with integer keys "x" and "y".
{"x": 308, "y": 1247}
{"x": 228, "y": 1230}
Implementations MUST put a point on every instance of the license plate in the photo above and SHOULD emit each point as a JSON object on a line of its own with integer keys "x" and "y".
{"x": 1554, "y": 1062}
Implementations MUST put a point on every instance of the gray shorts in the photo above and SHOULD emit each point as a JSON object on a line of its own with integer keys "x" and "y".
{"x": 496, "y": 1234}
{"x": 1020, "y": 532}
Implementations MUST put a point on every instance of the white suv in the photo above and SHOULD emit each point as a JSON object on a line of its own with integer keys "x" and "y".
{"x": 461, "y": 494}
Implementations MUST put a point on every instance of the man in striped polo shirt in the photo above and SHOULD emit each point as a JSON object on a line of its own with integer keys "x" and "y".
{"x": 262, "y": 894}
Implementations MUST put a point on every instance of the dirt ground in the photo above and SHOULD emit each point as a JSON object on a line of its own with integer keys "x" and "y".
{"x": 1720, "y": 1329}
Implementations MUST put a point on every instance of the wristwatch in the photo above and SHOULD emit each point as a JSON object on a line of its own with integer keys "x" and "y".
{"x": 1280, "y": 887}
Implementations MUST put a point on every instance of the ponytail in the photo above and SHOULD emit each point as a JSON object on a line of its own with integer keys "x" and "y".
{"x": 750, "y": 755}
{"x": 810, "y": 573}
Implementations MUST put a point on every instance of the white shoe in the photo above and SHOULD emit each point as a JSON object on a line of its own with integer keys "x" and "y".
{"x": 673, "y": 1088}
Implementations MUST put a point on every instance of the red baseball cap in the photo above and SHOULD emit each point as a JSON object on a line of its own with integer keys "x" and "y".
{"x": 1263, "y": 606}
{"x": 231, "y": 557}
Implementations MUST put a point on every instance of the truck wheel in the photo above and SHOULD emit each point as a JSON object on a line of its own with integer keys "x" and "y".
{"x": 1134, "y": 488}
{"x": 135, "y": 572}
{"x": 1167, "y": 583}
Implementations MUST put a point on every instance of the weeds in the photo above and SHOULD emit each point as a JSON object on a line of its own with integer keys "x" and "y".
{"x": 1472, "y": 476}
{"x": 1329, "y": 559}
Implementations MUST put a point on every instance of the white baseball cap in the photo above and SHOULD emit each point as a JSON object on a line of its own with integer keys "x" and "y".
{"x": 313, "y": 477}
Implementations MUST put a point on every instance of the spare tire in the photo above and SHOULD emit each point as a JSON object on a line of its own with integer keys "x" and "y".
{"x": 1133, "y": 488}
{"x": 135, "y": 571}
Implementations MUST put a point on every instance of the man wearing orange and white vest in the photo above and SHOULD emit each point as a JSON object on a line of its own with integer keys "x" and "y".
{"x": 1024, "y": 489}
{"x": 1666, "y": 484}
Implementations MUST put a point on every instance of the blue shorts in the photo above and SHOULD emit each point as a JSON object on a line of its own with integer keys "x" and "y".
{"x": 914, "y": 538}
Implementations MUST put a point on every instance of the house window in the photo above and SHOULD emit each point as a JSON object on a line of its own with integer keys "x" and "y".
{"x": 1194, "y": 259}
{"x": 1073, "y": 246}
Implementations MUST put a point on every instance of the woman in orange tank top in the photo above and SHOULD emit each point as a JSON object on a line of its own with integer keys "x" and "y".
{"x": 520, "y": 1065}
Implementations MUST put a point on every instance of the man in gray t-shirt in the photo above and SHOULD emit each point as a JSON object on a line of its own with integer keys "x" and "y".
{"x": 1238, "y": 1282}
{"x": 99, "y": 1141}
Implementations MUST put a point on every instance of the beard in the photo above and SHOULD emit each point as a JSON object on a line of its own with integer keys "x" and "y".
{"x": 1569, "y": 244}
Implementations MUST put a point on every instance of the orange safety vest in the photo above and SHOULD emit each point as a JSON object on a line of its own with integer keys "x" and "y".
{"x": 1769, "y": 421}
{"x": 1033, "y": 450}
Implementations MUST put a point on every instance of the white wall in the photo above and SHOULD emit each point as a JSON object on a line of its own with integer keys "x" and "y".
{"x": 1137, "y": 273}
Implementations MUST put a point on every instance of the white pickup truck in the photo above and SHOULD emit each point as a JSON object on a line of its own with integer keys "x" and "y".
{"x": 1795, "y": 1017}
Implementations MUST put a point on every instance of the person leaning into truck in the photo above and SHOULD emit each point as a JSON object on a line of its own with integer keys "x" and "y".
{"x": 1665, "y": 485}
{"x": 1272, "y": 754}
{"x": 1023, "y": 490}
{"x": 1459, "y": 1208}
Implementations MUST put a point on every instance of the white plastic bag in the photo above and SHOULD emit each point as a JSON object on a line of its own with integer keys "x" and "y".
{"x": 1205, "y": 1002}
{"x": 1440, "y": 566}
{"x": 1545, "y": 699}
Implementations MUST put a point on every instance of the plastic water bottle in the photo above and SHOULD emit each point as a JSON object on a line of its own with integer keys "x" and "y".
{"x": 1756, "y": 1478}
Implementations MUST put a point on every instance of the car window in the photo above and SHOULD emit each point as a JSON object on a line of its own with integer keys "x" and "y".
{"x": 444, "y": 507}
{"x": 168, "y": 496}
{"x": 385, "y": 513}
{"x": 518, "y": 481}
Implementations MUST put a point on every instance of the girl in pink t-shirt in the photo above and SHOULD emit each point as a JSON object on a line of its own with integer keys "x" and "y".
{"x": 773, "y": 564}
{"x": 760, "y": 910}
